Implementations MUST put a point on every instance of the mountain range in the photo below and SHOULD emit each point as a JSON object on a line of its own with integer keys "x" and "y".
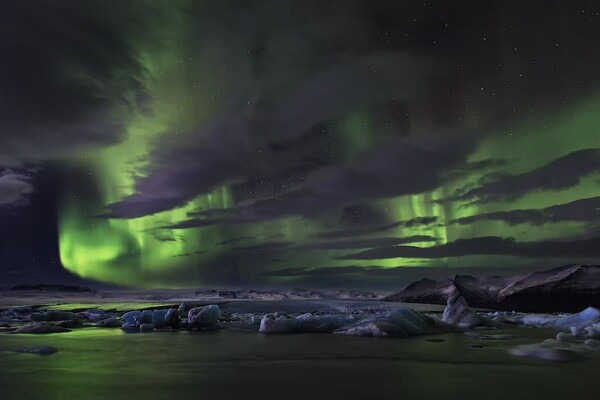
{"x": 568, "y": 288}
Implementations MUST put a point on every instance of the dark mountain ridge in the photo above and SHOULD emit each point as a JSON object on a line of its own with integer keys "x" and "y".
{"x": 564, "y": 289}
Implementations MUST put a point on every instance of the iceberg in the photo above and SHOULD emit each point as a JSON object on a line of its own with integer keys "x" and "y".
{"x": 586, "y": 320}
{"x": 305, "y": 323}
{"x": 458, "y": 312}
{"x": 54, "y": 316}
{"x": 204, "y": 318}
{"x": 400, "y": 323}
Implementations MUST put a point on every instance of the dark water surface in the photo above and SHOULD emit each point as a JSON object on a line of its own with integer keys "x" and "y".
{"x": 107, "y": 364}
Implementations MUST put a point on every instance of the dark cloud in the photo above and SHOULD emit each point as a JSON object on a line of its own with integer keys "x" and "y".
{"x": 177, "y": 176}
{"x": 267, "y": 246}
{"x": 372, "y": 271}
{"x": 562, "y": 173}
{"x": 317, "y": 271}
{"x": 364, "y": 243}
{"x": 274, "y": 93}
{"x": 392, "y": 278}
{"x": 233, "y": 240}
{"x": 189, "y": 254}
{"x": 337, "y": 245}
{"x": 490, "y": 245}
{"x": 68, "y": 76}
{"x": 584, "y": 210}
{"x": 167, "y": 236}
{"x": 14, "y": 188}
{"x": 410, "y": 166}
{"x": 411, "y": 223}
{"x": 198, "y": 223}
{"x": 362, "y": 215}
{"x": 311, "y": 109}
{"x": 233, "y": 143}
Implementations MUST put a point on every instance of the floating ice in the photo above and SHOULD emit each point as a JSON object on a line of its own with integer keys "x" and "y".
{"x": 204, "y": 318}
{"x": 146, "y": 328}
{"x": 580, "y": 320}
{"x": 565, "y": 347}
{"x": 54, "y": 316}
{"x": 95, "y": 315}
{"x": 37, "y": 327}
{"x": 545, "y": 352}
{"x": 109, "y": 323}
{"x": 130, "y": 328}
{"x": 131, "y": 317}
{"x": 403, "y": 322}
{"x": 272, "y": 323}
{"x": 587, "y": 318}
{"x": 305, "y": 323}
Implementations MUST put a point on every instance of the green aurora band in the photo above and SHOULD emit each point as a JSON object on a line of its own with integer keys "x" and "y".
{"x": 132, "y": 252}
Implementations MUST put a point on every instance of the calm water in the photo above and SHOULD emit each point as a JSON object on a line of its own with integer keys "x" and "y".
{"x": 107, "y": 364}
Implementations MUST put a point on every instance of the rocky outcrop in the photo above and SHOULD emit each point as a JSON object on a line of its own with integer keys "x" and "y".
{"x": 565, "y": 289}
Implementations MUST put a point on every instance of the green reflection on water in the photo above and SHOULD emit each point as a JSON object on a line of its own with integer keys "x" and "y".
{"x": 105, "y": 363}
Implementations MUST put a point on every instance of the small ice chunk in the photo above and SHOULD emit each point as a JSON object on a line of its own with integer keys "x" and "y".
{"x": 537, "y": 319}
{"x": 54, "y": 316}
{"x": 593, "y": 343}
{"x": 146, "y": 317}
{"x": 146, "y": 328}
{"x": 71, "y": 323}
{"x": 573, "y": 323}
{"x": 130, "y": 328}
{"x": 575, "y": 330}
{"x": 171, "y": 317}
{"x": 204, "y": 318}
{"x": 37, "y": 327}
{"x": 543, "y": 352}
{"x": 564, "y": 337}
{"x": 183, "y": 309}
{"x": 131, "y": 317}
{"x": 95, "y": 315}
{"x": 159, "y": 318}
{"x": 109, "y": 323}
{"x": 323, "y": 324}
{"x": 592, "y": 331}
{"x": 580, "y": 320}
{"x": 270, "y": 323}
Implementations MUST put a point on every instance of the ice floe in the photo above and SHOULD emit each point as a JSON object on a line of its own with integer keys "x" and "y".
{"x": 403, "y": 322}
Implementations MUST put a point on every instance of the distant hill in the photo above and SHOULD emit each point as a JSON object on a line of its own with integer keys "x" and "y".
{"x": 43, "y": 287}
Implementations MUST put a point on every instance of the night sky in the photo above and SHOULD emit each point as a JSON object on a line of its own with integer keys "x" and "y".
{"x": 334, "y": 143}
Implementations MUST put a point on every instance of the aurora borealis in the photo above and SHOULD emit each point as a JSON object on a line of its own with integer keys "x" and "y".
{"x": 297, "y": 143}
